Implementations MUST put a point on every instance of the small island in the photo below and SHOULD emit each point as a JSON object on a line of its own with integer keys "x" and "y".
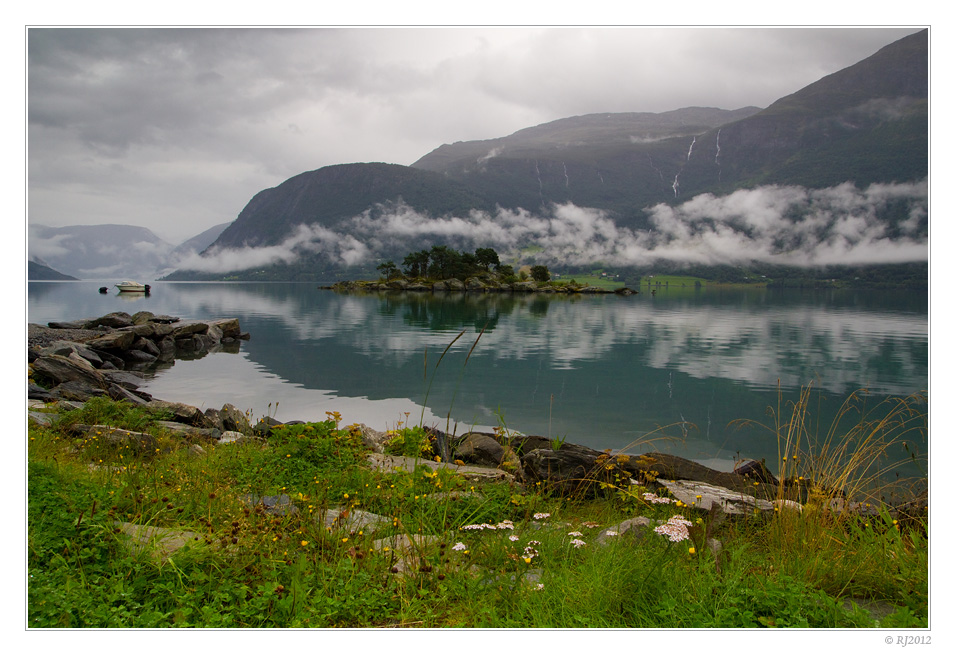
{"x": 444, "y": 269}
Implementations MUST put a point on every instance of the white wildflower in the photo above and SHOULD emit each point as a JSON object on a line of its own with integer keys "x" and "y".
{"x": 675, "y": 528}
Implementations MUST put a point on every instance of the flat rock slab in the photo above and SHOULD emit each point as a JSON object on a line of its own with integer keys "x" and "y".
{"x": 160, "y": 543}
{"x": 182, "y": 413}
{"x": 354, "y": 519}
{"x": 385, "y": 462}
{"x": 42, "y": 418}
{"x": 59, "y": 369}
{"x": 235, "y": 437}
{"x": 140, "y": 442}
{"x": 407, "y": 550}
{"x": 272, "y": 505}
{"x": 705, "y": 495}
{"x": 177, "y": 428}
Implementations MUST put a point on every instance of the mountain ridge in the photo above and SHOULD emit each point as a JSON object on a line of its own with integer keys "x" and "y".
{"x": 337, "y": 193}
{"x": 601, "y": 128}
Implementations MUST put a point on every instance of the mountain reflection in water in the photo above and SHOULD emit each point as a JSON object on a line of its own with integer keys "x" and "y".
{"x": 604, "y": 371}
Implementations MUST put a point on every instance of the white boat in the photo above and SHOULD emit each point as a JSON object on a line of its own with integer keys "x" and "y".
{"x": 130, "y": 286}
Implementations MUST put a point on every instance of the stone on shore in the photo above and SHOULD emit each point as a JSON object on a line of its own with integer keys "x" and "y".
{"x": 233, "y": 419}
{"x": 480, "y": 449}
{"x": 119, "y": 340}
{"x": 139, "y": 442}
{"x": 353, "y": 519}
{"x": 182, "y": 413}
{"x": 59, "y": 369}
{"x": 703, "y": 496}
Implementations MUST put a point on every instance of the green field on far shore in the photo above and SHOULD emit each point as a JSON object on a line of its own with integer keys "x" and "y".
{"x": 592, "y": 280}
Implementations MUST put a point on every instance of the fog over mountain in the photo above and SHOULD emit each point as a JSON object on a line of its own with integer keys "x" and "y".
{"x": 773, "y": 224}
{"x": 107, "y": 251}
{"x": 99, "y": 251}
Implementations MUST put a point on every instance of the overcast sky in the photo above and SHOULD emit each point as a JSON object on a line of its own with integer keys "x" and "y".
{"x": 177, "y": 129}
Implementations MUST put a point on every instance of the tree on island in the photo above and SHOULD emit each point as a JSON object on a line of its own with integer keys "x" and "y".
{"x": 443, "y": 262}
{"x": 487, "y": 258}
{"x": 387, "y": 269}
{"x": 416, "y": 264}
{"x": 540, "y": 273}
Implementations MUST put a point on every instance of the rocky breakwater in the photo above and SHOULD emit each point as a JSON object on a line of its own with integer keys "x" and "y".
{"x": 106, "y": 356}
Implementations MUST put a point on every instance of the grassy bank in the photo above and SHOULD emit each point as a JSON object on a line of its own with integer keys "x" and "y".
{"x": 594, "y": 280}
{"x": 503, "y": 555}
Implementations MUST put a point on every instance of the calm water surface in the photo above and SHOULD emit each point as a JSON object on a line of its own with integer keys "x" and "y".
{"x": 605, "y": 371}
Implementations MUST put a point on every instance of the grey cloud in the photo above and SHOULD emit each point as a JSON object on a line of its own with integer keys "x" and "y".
{"x": 46, "y": 247}
{"x": 213, "y": 109}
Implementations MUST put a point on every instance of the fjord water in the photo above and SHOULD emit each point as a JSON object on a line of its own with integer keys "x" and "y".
{"x": 605, "y": 371}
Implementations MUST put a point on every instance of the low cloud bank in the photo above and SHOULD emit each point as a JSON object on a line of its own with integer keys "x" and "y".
{"x": 883, "y": 223}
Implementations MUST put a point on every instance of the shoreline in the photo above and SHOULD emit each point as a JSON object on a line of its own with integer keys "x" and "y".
{"x": 82, "y": 359}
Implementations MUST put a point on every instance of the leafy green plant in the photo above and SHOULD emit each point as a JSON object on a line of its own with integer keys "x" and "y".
{"x": 106, "y": 411}
{"x": 411, "y": 441}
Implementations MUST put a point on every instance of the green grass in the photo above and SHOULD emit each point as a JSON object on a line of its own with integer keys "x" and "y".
{"x": 673, "y": 281}
{"x": 244, "y": 568}
{"x": 591, "y": 281}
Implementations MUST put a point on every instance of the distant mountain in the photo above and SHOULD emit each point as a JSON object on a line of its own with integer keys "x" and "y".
{"x": 99, "y": 251}
{"x": 331, "y": 198}
{"x": 582, "y": 136}
{"x": 200, "y": 242}
{"x": 38, "y": 271}
{"x": 865, "y": 124}
{"x": 334, "y": 194}
{"x": 609, "y": 161}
